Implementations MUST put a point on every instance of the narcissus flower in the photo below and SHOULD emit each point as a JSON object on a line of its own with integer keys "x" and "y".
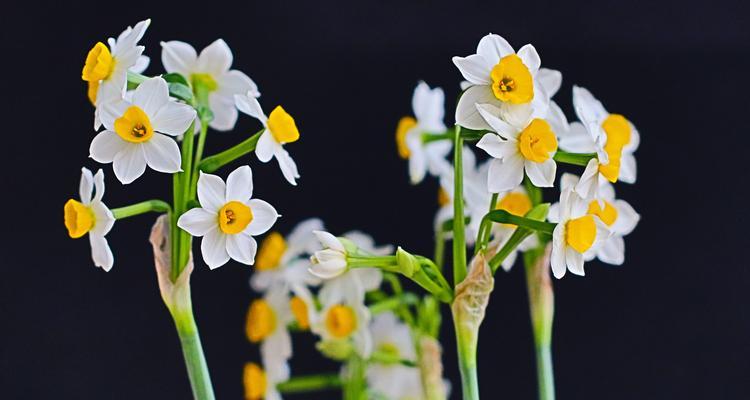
{"x": 429, "y": 111}
{"x": 525, "y": 143}
{"x": 345, "y": 321}
{"x": 516, "y": 202}
{"x": 260, "y": 383}
{"x": 395, "y": 380}
{"x": 266, "y": 323}
{"x": 501, "y": 77}
{"x": 211, "y": 70}
{"x": 91, "y": 216}
{"x": 136, "y": 132}
{"x": 228, "y": 218}
{"x": 577, "y": 235}
{"x": 106, "y": 68}
{"x": 280, "y": 129}
{"x": 611, "y": 136}
{"x": 617, "y": 214}
{"x": 331, "y": 261}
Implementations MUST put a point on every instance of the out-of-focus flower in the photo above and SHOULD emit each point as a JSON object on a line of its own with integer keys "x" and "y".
{"x": 260, "y": 383}
{"x": 345, "y": 321}
{"x": 393, "y": 381}
{"x": 267, "y": 320}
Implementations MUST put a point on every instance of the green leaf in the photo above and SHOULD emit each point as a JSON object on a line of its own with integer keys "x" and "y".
{"x": 174, "y": 77}
{"x": 180, "y": 91}
{"x": 538, "y": 213}
{"x": 580, "y": 159}
{"x": 505, "y": 217}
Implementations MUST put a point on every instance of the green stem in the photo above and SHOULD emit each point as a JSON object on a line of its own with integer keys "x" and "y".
{"x": 466, "y": 342}
{"x": 459, "y": 241}
{"x": 393, "y": 303}
{"x": 198, "y": 157}
{"x": 182, "y": 192}
{"x": 485, "y": 228}
{"x": 192, "y": 350}
{"x": 505, "y": 217}
{"x": 541, "y": 308}
{"x": 581, "y": 159}
{"x": 211, "y": 164}
{"x": 354, "y": 385}
{"x": 141, "y": 208}
{"x": 439, "y": 248}
{"x": 309, "y": 383}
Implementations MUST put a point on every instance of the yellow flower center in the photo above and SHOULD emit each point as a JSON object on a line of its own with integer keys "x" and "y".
{"x": 205, "y": 81}
{"x": 618, "y": 133}
{"x": 341, "y": 321}
{"x": 537, "y": 141}
{"x": 261, "y": 321}
{"x": 405, "y": 124}
{"x": 443, "y": 198}
{"x": 580, "y": 233}
{"x": 608, "y": 214}
{"x": 515, "y": 203}
{"x": 271, "y": 250}
{"x": 234, "y": 217}
{"x": 134, "y": 126}
{"x": 282, "y": 126}
{"x": 299, "y": 310}
{"x": 79, "y": 218}
{"x": 254, "y": 380}
{"x": 512, "y": 81}
{"x": 99, "y": 64}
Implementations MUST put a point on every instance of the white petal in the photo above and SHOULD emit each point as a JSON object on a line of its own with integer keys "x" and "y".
{"x": 178, "y": 56}
{"x": 550, "y": 79}
{"x": 494, "y": 47}
{"x": 429, "y": 107}
{"x": 466, "y": 110}
{"x": 236, "y": 82}
{"x": 110, "y": 110}
{"x": 612, "y": 251}
{"x": 173, "y": 118}
{"x": 541, "y": 174}
{"x": 627, "y": 168}
{"x": 151, "y": 95}
{"x": 287, "y": 165}
{"x": 141, "y": 64}
{"x": 530, "y": 58}
{"x": 558, "y": 251}
{"x": 587, "y": 107}
{"x": 216, "y": 58}
{"x": 490, "y": 114}
{"x": 162, "y": 154}
{"x": 627, "y": 218}
{"x": 104, "y": 219}
{"x": 497, "y": 147}
{"x": 214, "y": 249}
{"x": 417, "y": 159}
{"x": 265, "y": 147}
{"x": 264, "y": 216}
{"x": 576, "y": 139}
{"x": 329, "y": 241}
{"x": 211, "y": 192}
{"x": 225, "y": 113}
{"x": 474, "y": 69}
{"x": 589, "y": 182}
{"x": 240, "y": 185}
{"x": 86, "y": 186}
{"x": 129, "y": 163}
{"x": 574, "y": 261}
{"x": 100, "y": 252}
{"x": 99, "y": 185}
{"x": 105, "y": 146}
{"x": 505, "y": 174}
{"x": 301, "y": 238}
{"x": 198, "y": 221}
{"x": 370, "y": 278}
{"x": 242, "y": 248}
{"x": 330, "y": 264}
{"x": 553, "y": 215}
{"x": 250, "y": 106}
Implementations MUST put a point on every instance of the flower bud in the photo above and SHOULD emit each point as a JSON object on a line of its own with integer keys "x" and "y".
{"x": 331, "y": 261}
{"x": 339, "y": 350}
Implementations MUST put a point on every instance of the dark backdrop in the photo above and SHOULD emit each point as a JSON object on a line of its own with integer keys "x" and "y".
{"x": 671, "y": 323}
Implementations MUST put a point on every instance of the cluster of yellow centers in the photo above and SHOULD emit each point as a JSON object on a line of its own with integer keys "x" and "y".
{"x": 405, "y": 124}
{"x": 271, "y": 251}
{"x": 341, "y": 321}
{"x": 234, "y": 217}
{"x": 99, "y": 66}
{"x": 254, "y": 380}
{"x": 512, "y": 81}
{"x": 516, "y": 203}
{"x": 282, "y": 126}
{"x": 537, "y": 141}
{"x": 261, "y": 321}
{"x": 79, "y": 218}
{"x": 618, "y": 132}
{"x": 134, "y": 126}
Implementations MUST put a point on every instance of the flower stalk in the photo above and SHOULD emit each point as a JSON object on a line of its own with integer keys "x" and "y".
{"x": 310, "y": 383}
{"x": 542, "y": 309}
{"x": 141, "y": 208}
{"x": 211, "y": 164}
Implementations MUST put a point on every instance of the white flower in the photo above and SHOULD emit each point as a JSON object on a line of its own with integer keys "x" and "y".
{"x": 501, "y": 77}
{"x": 342, "y": 320}
{"x": 91, "y": 216}
{"x": 280, "y": 129}
{"x": 260, "y": 382}
{"x": 516, "y": 202}
{"x": 429, "y": 110}
{"x": 331, "y": 261}
{"x": 526, "y": 142}
{"x": 618, "y": 215}
{"x": 211, "y": 70}
{"x": 266, "y": 323}
{"x": 611, "y": 136}
{"x": 106, "y": 68}
{"x": 476, "y": 196}
{"x": 576, "y": 236}
{"x": 393, "y": 381}
{"x": 136, "y": 132}
{"x": 228, "y": 218}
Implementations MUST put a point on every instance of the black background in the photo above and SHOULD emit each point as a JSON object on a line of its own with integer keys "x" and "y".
{"x": 671, "y": 323}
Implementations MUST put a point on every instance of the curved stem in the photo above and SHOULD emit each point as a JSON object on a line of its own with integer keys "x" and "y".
{"x": 141, "y": 208}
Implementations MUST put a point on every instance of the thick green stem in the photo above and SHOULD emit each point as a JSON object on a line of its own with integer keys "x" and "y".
{"x": 466, "y": 342}
{"x": 198, "y": 157}
{"x": 141, "y": 208}
{"x": 211, "y": 164}
{"x": 182, "y": 239}
{"x": 541, "y": 308}
{"x": 309, "y": 383}
{"x": 459, "y": 240}
{"x": 195, "y": 361}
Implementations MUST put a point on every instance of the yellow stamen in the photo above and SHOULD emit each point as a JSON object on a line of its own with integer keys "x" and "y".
{"x": 282, "y": 126}
{"x": 618, "y": 133}
{"x": 341, "y": 321}
{"x": 99, "y": 64}
{"x": 512, "y": 81}
{"x": 205, "y": 81}
{"x": 443, "y": 198}
{"x": 79, "y": 218}
{"x": 405, "y": 124}
{"x": 271, "y": 250}
{"x": 515, "y": 203}
{"x": 234, "y": 217}
{"x": 580, "y": 233}
{"x": 254, "y": 380}
{"x": 134, "y": 126}
{"x": 537, "y": 141}
{"x": 608, "y": 215}
{"x": 261, "y": 321}
{"x": 299, "y": 310}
